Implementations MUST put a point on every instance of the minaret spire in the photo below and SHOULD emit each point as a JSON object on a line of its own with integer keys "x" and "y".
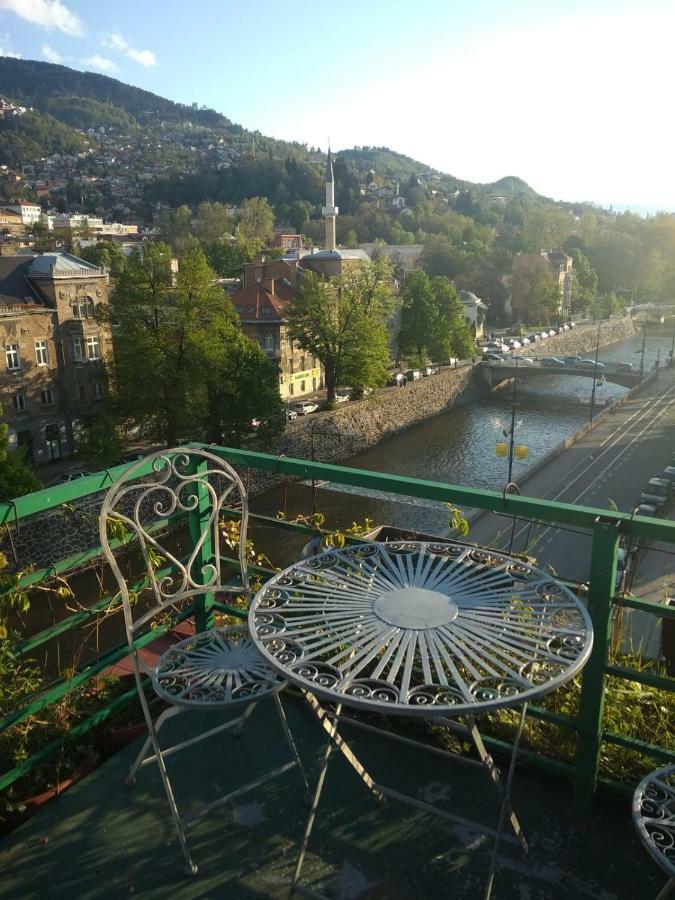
{"x": 330, "y": 210}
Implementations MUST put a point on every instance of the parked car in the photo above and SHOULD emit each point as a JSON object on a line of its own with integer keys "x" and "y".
{"x": 552, "y": 332}
{"x": 656, "y": 492}
{"x": 543, "y": 335}
{"x": 341, "y": 398}
{"x": 669, "y": 473}
{"x": 625, "y": 367}
{"x": 566, "y": 327}
{"x": 646, "y": 509}
{"x": 533, "y": 338}
{"x": 291, "y": 414}
{"x": 514, "y": 344}
{"x": 493, "y": 357}
{"x": 591, "y": 362}
{"x": 397, "y": 379}
{"x": 573, "y": 324}
{"x": 427, "y": 371}
{"x": 305, "y": 408}
{"x": 413, "y": 375}
{"x": 552, "y": 361}
{"x": 525, "y": 342}
{"x": 572, "y": 360}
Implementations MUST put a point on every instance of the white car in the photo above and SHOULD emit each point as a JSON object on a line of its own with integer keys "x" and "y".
{"x": 525, "y": 342}
{"x": 514, "y": 344}
{"x": 304, "y": 409}
{"x": 291, "y": 414}
{"x": 341, "y": 398}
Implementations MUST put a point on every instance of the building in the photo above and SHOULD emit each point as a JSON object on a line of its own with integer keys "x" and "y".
{"x": 11, "y": 222}
{"x": 474, "y": 312}
{"x": 30, "y": 214}
{"x": 561, "y": 268}
{"x": 53, "y": 346}
{"x": 262, "y": 304}
{"x": 288, "y": 240}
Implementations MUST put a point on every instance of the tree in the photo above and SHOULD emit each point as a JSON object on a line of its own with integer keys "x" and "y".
{"x": 342, "y": 322}
{"x": 228, "y": 257}
{"x": 212, "y": 221}
{"x": 535, "y": 294}
{"x": 256, "y": 219}
{"x": 102, "y": 445}
{"x": 605, "y": 306}
{"x": 585, "y": 283}
{"x": 432, "y": 320}
{"x": 16, "y": 477}
{"x": 105, "y": 254}
{"x": 176, "y": 225}
{"x": 185, "y": 341}
{"x": 439, "y": 257}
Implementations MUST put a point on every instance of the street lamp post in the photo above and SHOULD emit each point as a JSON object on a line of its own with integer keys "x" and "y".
{"x": 514, "y": 397}
{"x": 595, "y": 374}
{"x": 642, "y": 358}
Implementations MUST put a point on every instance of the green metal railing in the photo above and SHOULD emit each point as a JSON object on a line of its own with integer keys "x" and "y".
{"x": 605, "y": 528}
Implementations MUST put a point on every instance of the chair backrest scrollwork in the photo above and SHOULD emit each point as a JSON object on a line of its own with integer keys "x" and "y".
{"x": 141, "y": 504}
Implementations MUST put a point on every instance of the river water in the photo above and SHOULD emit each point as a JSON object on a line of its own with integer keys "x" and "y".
{"x": 458, "y": 447}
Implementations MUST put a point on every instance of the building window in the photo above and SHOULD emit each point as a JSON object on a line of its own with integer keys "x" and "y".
{"x": 83, "y": 308}
{"x": 47, "y": 396}
{"x": 99, "y": 390}
{"x": 41, "y": 353}
{"x": 93, "y": 348}
{"x": 291, "y": 388}
{"x": 302, "y": 362}
{"x": 82, "y": 390}
{"x": 12, "y": 357}
{"x": 290, "y": 364}
{"x": 78, "y": 349}
{"x": 302, "y": 387}
{"x": 269, "y": 342}
{"x": 19, "y": 402}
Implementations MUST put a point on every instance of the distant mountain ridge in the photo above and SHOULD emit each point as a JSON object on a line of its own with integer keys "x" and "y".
{"x": 83, "y": 100}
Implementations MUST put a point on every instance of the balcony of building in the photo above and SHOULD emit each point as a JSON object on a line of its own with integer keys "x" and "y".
{"x": 572, "y": 788}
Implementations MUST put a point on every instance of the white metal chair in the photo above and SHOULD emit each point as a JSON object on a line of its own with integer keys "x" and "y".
{"x": 218, "y": 668}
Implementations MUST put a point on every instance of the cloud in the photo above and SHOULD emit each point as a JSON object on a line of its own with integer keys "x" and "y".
{"x": 5, "y": 40}
{"x": 115, "y": 41}
{"x": 51, "y": 55}
{"x": 100, "y": 62}
{"x": 47, "y": 14}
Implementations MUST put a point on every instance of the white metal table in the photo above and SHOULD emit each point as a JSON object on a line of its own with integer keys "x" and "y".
{"x": 654, "y": 818}
{"x": 442, "y": 631}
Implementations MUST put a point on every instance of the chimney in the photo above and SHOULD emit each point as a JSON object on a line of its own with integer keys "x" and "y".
{"x": 268, "y": 284}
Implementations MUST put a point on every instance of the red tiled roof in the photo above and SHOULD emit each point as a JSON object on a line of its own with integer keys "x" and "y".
{"x": 257, "y": 304}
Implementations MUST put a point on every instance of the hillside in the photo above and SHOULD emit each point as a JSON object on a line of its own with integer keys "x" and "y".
{"x": 38, "y": 83}
{"x": 84, "y": 100}
{"x": 34, "y": 135}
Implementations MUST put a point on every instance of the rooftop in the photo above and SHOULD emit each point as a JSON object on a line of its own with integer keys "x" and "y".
{"x": 62, "y": 264}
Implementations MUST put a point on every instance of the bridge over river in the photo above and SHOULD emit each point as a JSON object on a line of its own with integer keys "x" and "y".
{"x": 618, "y": 373}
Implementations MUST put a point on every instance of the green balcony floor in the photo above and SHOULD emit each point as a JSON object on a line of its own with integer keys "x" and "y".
{"x": 104, "y": 840}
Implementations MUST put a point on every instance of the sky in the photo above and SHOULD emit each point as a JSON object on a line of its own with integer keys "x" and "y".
{"x": 575, "y": 99}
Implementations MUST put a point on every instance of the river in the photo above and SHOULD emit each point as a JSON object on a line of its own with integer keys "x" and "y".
{"x": 459, "y": 447}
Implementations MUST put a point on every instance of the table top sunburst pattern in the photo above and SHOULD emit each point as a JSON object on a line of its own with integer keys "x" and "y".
{"x": 421, "y": 628}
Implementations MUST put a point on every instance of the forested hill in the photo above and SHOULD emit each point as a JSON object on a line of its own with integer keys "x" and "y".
{"x": 46, "y": 86}
{"x": 84, "y": 100}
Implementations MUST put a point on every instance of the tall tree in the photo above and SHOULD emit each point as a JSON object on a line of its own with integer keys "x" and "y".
{"x": 535, "y": 294}
{"x": 342, "y": 322}
{"x": 178, "y": 345}
{"x": 212, "y": 221}
{"x": 432, "y": 319}
{"x": 256, "y": 219}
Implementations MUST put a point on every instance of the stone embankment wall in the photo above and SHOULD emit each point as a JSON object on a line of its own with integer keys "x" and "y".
{"x": 582, "y": 339}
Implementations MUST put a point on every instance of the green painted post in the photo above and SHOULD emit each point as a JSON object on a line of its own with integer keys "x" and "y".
{"x": 198, "y": 519}
{"x": 591, "y": 706}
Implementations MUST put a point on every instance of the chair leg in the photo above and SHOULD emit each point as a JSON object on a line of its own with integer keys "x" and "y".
{"x": 243, "y": 719}
{"x": 291, "y": 744}
{"x": 191, "y": 867}
{"x": 130, "y": 779}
